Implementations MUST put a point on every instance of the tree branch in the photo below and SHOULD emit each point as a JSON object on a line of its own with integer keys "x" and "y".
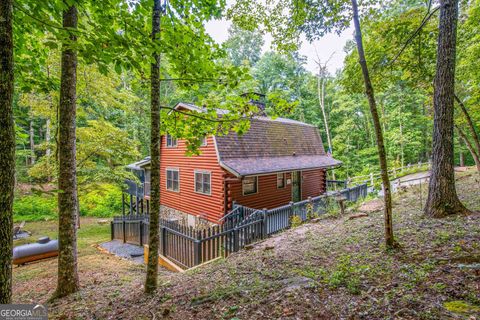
{"x": 475, "y": 137}
{"x": 414, "y": 34}
{"x": 201, "y": 117}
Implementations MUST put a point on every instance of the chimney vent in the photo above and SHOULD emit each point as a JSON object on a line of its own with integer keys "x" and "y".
{"x": 257, "y": 99}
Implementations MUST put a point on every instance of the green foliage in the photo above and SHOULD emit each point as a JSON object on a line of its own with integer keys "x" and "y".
{"x": 101, "y": 200}
{"x": 295, "y": 221}
{"x": 461, "y": 307}
{"x": 105, "y": 200}
{"x": 344, "y": 274}
{"x": 35, "y": 208}
{"x": 243, "y": 46}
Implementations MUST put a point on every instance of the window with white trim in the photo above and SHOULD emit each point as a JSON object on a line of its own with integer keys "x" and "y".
{"x": 203, "y": 141}
{"x": 173, "y": 180}
{"x": 171, "y": 141}
{"x": 249, "y": 185}
{"x": 280, "y": 180}
{"x": 203, "y": 181}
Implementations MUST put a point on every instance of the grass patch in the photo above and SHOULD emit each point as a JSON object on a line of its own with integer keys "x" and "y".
{"x": 461, "y": 307}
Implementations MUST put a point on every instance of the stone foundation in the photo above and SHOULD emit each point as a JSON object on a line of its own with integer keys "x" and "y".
{"x": 183, "y": 218}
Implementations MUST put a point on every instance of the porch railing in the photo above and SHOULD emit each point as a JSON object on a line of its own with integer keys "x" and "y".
{"x": 188, "y": 246}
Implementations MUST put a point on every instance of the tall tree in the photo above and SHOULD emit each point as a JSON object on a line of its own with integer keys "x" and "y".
{"x": 389, "y": 240}
{"x": 67, "y": 178}
{"x": 7, "y": 147}
{"x": 153, "y": 242}
{"x": 243, "y": 45}
{"x": 287, "y": 20}
{"x": 442, "y": 196}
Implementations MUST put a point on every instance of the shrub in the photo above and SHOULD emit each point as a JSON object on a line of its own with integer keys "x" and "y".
{"x": 35, "y": 208}
{"x": 105, "y": 200}
{"x": 295, "y": 221}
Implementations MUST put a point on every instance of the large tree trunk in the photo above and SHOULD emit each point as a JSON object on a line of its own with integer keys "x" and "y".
{"x": 442, "y": 196}
{"x": 7, "y": 147}
{"x": 475, "y": 155}
{"x": 471, "y": 127}
{"x": 389, "y": 240}
{"x": 153, "y": 243}
{"x": 67, "y": 178}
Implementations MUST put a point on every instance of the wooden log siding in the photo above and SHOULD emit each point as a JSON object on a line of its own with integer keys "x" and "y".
{"x": 267, "y": 196}
{"x": 187, "y": 200}
{"x": 313, "y": 183}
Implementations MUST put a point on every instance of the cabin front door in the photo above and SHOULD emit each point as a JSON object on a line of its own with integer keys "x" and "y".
{"x": 296, "y": 186}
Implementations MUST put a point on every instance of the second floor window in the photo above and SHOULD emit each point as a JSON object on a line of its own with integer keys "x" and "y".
{"x": 171, "y": 141}
{"x": 202, "y": 182}
{"x": 173, "y": 180}
{"x": 203, "y": 141}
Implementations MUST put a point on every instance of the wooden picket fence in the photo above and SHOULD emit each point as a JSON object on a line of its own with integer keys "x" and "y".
{"x": 189, "y": 247}
{"x": 374, "y": 178}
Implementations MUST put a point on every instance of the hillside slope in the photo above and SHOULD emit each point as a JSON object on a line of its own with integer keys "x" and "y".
{"x": 333, "y": 269}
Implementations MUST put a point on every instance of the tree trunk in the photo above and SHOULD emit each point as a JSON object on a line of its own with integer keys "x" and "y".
{"x": 389, "y": 240}
{"x": 67, "y": 178}
{"x": 471, "y": 127}
{"x": 152, "y": 266}
{"x": 32, "y": 143}
{"x": 442, "y": 196}
{"x": 48, "y": 136}
{"x": 321, "y": 98}
{"x": 7, "y": 145}
{"x": 475, "y": 155}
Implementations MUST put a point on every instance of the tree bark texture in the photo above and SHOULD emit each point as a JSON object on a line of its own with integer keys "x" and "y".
{"x": 152, "y": 266}
{"x": 442, "y": 196}
{"x": 67, "y": 178}
{"x": 7, "y": 147}
{"x": 389, "y": 239}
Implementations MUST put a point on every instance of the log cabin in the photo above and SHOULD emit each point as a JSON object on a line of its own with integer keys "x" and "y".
{"x": 276, "y": 162}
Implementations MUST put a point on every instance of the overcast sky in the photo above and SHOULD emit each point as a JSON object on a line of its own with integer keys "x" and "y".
{"x": 328, "y": 45}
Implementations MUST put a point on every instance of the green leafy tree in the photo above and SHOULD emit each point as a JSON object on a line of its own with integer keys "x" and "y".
{"x": 314, "y": 19}
{"x": 243, "y": 46}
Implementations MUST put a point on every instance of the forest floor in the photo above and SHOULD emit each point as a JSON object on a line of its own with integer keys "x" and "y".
{"x": 336, "y": 268}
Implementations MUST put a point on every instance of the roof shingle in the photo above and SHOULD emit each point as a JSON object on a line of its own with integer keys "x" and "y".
{"x": 273, "y": 145}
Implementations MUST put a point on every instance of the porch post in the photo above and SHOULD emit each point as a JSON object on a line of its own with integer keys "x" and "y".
{"x": 123, "y": 204}
{"x": 137, "y": 204}
{"x": 124, "y": 230}
{"x": 131, "y": 204}
{"x": 264, "y": 223}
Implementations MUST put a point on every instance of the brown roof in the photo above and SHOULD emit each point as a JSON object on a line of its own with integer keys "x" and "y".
{"x": 273, "y": 146}
{"x": 262, "y": 165}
